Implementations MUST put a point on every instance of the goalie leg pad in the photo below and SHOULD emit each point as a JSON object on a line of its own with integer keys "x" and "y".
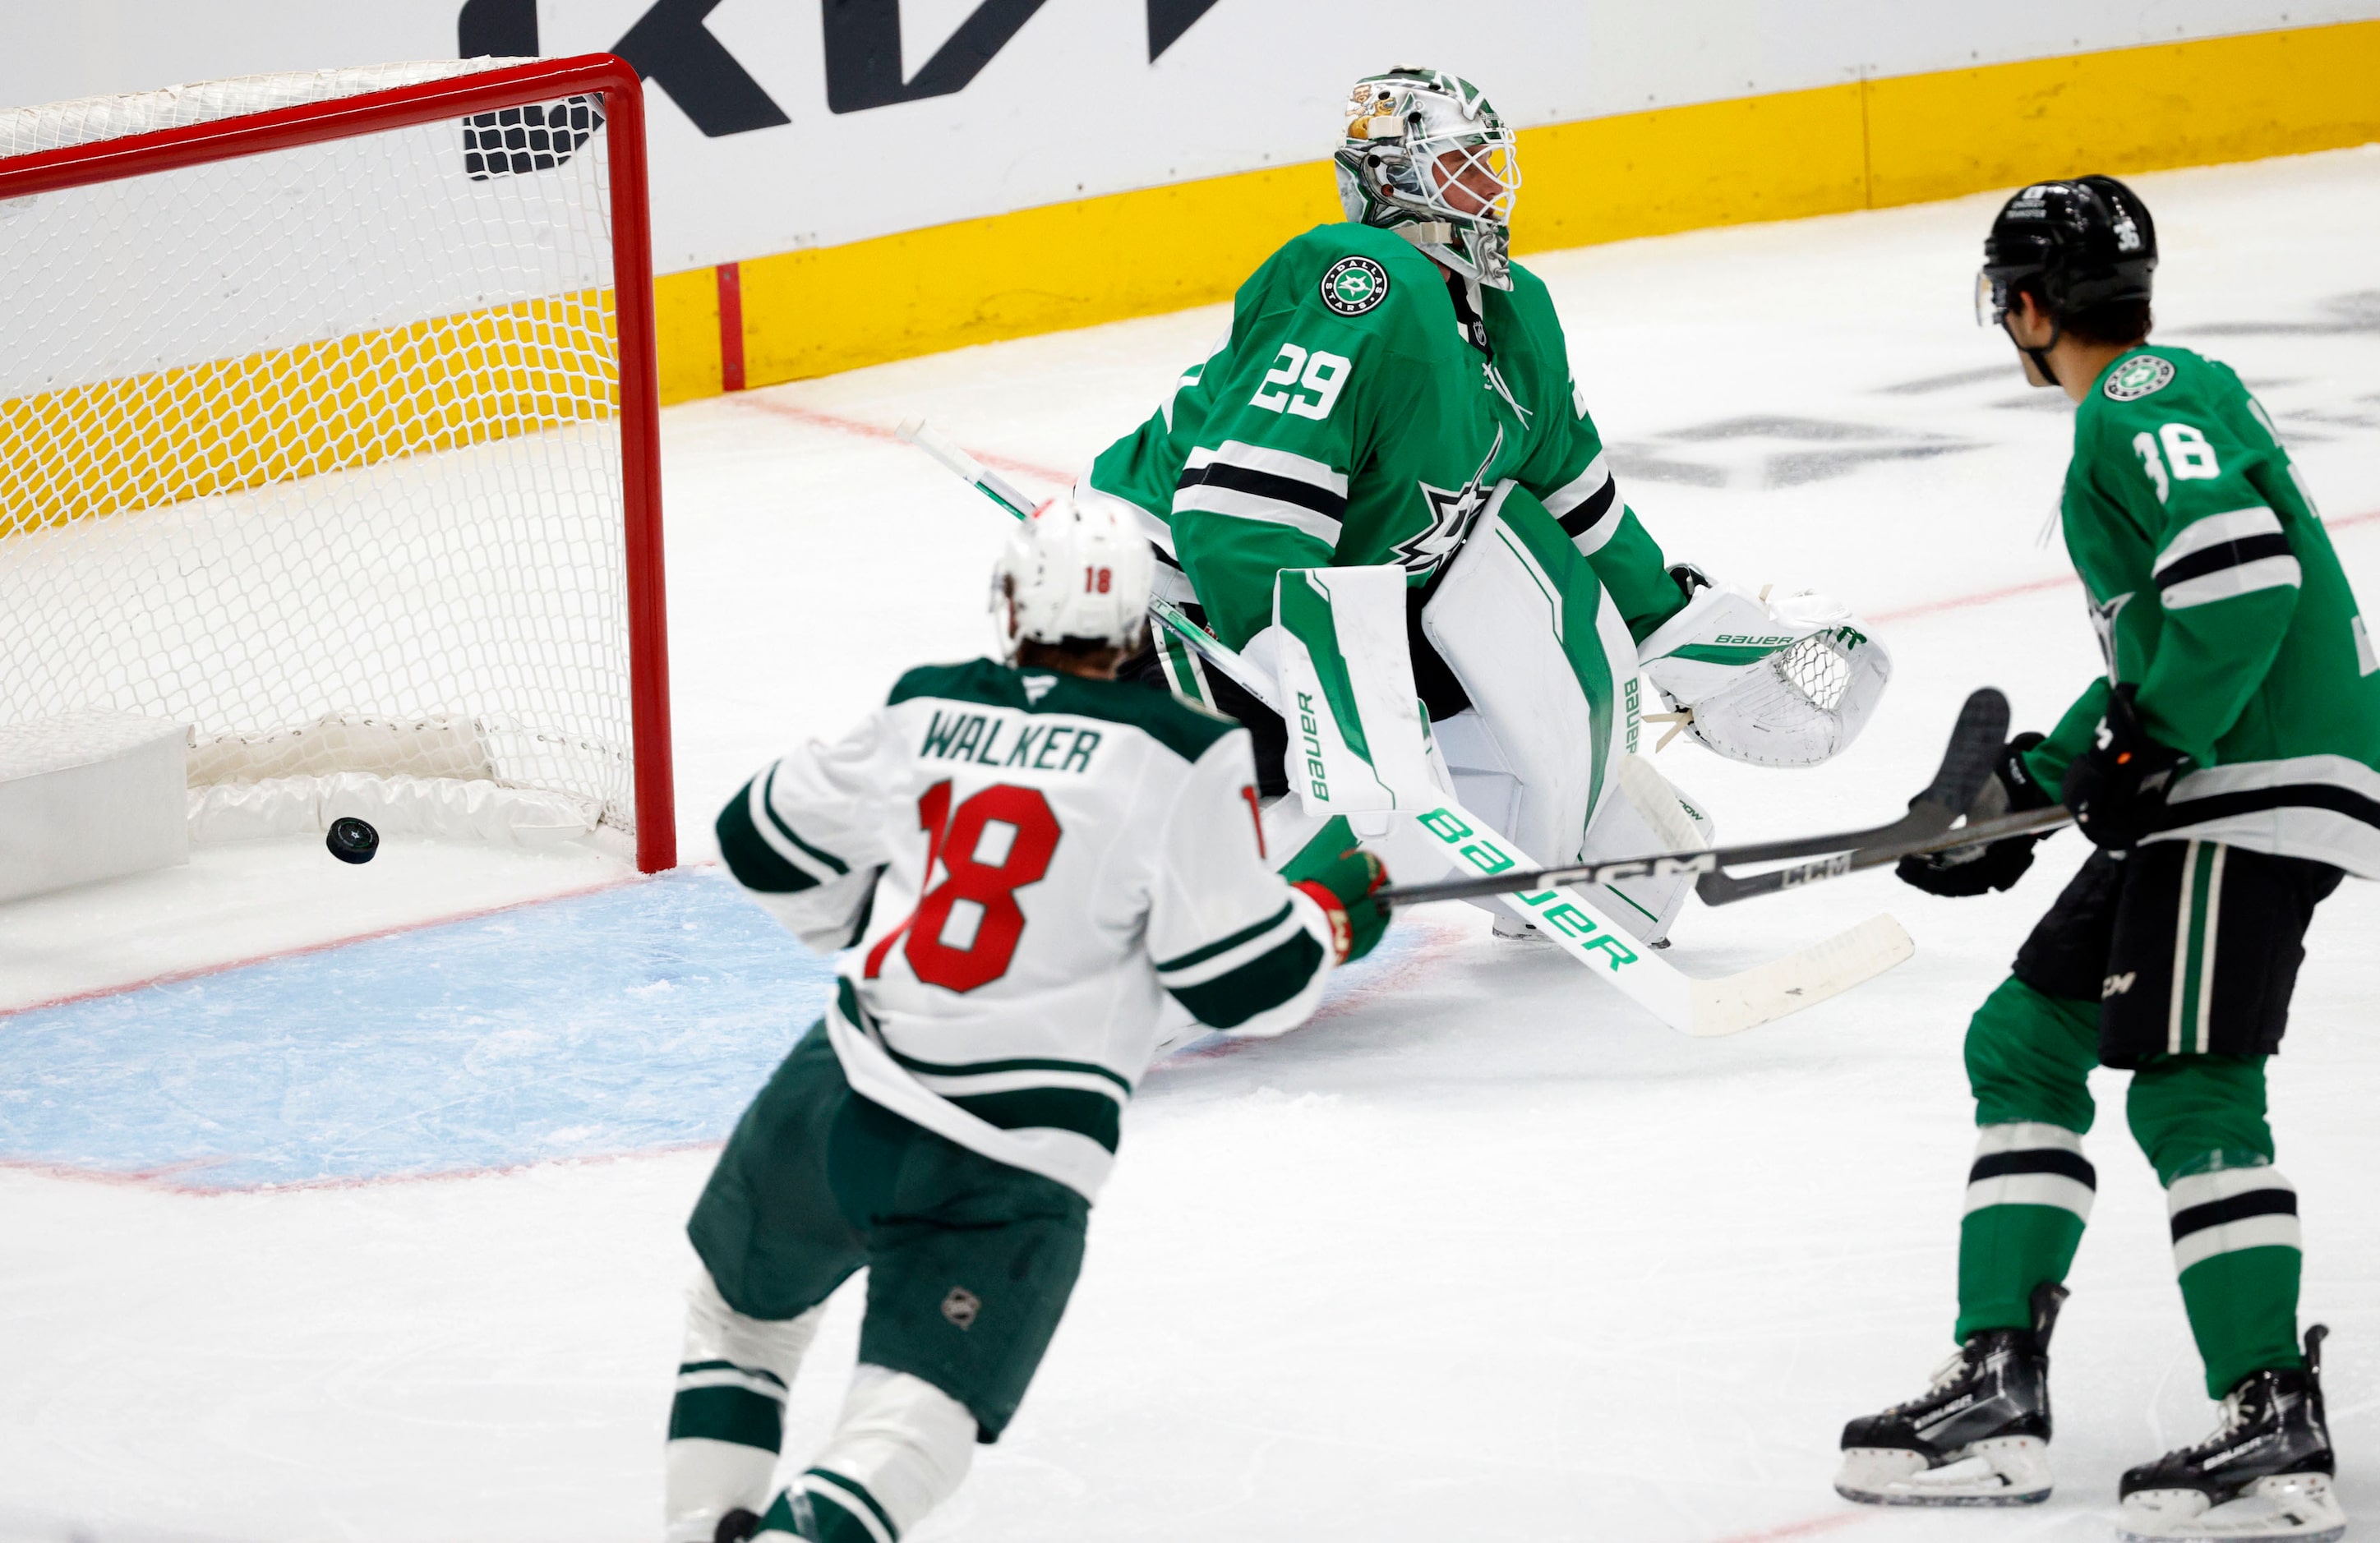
{"x": 1550, "y": 667}
{"x": 727, "y": 1419}
{"x": 1647, "y": 813}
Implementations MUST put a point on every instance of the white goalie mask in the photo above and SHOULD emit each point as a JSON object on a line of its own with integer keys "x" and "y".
{"x": 1071, "y": 574}
{"x": 1425, "y": 155}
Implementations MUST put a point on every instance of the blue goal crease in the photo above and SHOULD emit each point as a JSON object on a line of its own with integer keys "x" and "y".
{"x": 627, "y": 1020}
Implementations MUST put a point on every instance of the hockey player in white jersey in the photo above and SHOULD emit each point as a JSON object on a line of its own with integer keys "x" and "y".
{"x": 1027, "y": 859}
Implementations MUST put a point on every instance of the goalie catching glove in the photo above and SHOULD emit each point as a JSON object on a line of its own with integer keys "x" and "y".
{"x": 1789, "y": 684}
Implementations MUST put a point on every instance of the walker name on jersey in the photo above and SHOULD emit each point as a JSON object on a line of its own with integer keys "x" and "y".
{"x": 1000, "y": 739}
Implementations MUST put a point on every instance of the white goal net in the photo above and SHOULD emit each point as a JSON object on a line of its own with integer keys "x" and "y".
{"x": 317, "y": 447}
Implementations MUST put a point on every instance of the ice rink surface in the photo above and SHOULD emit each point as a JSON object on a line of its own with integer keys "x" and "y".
{"x": 382, "y": 1242}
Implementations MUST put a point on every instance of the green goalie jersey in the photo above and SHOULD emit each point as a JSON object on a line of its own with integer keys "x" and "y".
{"x": 2217, "y": 597}
{"x": 1353, "y": 416}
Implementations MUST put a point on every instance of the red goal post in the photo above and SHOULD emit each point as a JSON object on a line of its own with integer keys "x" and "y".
{"x": 329, "y": 430}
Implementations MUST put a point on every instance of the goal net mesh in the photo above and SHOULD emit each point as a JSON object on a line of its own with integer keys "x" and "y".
{"x": 316, "y": 451}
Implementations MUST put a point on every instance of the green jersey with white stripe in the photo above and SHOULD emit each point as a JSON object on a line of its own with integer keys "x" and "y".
{"x": 2217, "y": 595}
{"x": 1360, "y": 412}
{"x": 1024, "y": 866}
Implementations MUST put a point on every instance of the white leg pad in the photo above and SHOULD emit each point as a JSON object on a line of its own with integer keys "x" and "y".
{"x": 904, "y": 1440}
{"x": 1530, "y": 753}
{"x": 1647, "y": 813}
{"x": 706, "y": 1480}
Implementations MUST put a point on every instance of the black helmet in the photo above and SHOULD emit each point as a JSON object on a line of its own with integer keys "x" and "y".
{"x": 2081, "y": 243}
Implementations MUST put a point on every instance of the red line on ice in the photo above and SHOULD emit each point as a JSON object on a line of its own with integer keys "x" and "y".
{"x": 1907, "y": 613}
{"x": 1801, "y": 1529}
{"x": 2034, "y": 587}
{"x": 870, "y": 430}
{"x": 161, "y": 1178}
{"x": 174, "y": 977}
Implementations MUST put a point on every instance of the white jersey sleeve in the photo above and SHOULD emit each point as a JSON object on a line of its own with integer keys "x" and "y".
{"x": 1235, "y": 945}
{"x": 808, "y": 835}
{"x": 1023, "y": 865}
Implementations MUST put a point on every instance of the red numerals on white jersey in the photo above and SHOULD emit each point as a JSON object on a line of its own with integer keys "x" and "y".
{"x": 953, "y": 838}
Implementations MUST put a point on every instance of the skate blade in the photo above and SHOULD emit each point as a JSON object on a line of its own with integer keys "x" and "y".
{"x": 2013, "y": 1472}
{"x": 2287, "y": 1508}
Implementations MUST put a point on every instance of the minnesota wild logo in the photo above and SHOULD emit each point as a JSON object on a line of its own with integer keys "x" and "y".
{"x": 1354, "y": 284}
{"x": 2137, "y": 376}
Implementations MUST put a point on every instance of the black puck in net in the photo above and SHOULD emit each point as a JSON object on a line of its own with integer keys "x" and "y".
{"x": 352, "y": 840}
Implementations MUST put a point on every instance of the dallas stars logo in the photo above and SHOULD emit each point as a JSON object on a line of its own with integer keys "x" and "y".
{"x": 1451, "y": 512}
{"x": 1354, "y": 284}
{"x": 2138, "y": 376}
{"x": 2103, "y": 622}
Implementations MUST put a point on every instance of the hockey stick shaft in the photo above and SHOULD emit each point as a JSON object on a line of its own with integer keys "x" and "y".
{"x": 1975, "y": 741}
{"x": 1717, "y": 888}
{"x": 1001, "y": 491}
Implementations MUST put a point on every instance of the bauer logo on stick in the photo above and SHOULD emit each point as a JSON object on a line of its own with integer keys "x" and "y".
{"x": 1354, "y": 284}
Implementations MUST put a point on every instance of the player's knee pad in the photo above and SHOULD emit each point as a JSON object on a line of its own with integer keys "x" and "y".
{"x": 2192, "y": 1113}
{"x": 727, "y": 1418}
{"x": 900, "y": 1449}
{"x": 1521, "y": 621}
{"x": 2030, "y": 1056}
{"x": 1647, "y": 813}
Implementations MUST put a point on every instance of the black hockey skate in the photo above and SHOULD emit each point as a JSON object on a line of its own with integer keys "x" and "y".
{"x": 2266, "y": 1473}
{"x": 1980, "y": 1436}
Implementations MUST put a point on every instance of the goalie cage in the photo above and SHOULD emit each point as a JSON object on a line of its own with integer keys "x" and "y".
{"x": 327, "y": 431}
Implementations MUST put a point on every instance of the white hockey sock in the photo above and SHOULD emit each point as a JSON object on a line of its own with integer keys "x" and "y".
{"x": 900, "y": 1449}
{"x": 728, "y": 1418}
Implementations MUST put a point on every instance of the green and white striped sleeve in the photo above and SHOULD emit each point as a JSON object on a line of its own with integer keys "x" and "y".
{"x": 2225, "y": 575}
{"x": 806, "y": 835}
{"x": 1233, "y": 942}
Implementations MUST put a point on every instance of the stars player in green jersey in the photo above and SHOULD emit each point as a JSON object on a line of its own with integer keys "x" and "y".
{"x": 2224, "y": 768}
{"x": 1395, "y": 389}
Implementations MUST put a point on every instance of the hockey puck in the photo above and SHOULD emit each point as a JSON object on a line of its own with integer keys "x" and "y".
{"x": 351, "y": 840}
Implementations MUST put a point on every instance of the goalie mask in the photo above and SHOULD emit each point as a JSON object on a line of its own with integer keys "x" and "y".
{"x": 1072, "y": 577}
{"x": 1426, "y": 156}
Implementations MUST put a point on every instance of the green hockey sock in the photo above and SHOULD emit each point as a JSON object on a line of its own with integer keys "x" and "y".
{"x": 2029, "y": 1059}
{"x": 2236, "y": 1248}
{"x": 2028, "y": 1195}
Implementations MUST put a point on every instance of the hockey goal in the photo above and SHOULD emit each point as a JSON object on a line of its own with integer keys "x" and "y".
{"x": 327, "y": 433}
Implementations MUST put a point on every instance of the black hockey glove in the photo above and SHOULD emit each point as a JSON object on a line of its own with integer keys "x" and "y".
{"x": 2118, "y": 787}
{"x": 1971, "y": 870}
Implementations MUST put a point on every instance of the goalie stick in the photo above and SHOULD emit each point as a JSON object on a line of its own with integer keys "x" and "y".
{"x": 1001, "y": 491}
{"x": 1698, "y": 1006}
{"x": 1975, "y": 742}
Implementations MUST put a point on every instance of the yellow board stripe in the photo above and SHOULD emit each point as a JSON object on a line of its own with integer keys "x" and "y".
{"x": 271, "y": 416}
{"x": 1860, "y": 145}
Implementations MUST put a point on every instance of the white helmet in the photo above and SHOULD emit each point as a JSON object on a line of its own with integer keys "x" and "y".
{"x": 1426, "y": 156}
{"x": 1072, "y": 573}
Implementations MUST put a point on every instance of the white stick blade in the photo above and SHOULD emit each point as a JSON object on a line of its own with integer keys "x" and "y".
{"x": 1734, "y": 1002}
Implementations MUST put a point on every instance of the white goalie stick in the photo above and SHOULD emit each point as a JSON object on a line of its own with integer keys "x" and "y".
{"x": 1564, "y": 915}
{"x": 1975, "y": 742}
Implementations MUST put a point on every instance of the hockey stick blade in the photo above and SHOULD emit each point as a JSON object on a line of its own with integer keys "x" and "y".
{"x": 1726, "y": 888}
{"x": 1967, "y": 761}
